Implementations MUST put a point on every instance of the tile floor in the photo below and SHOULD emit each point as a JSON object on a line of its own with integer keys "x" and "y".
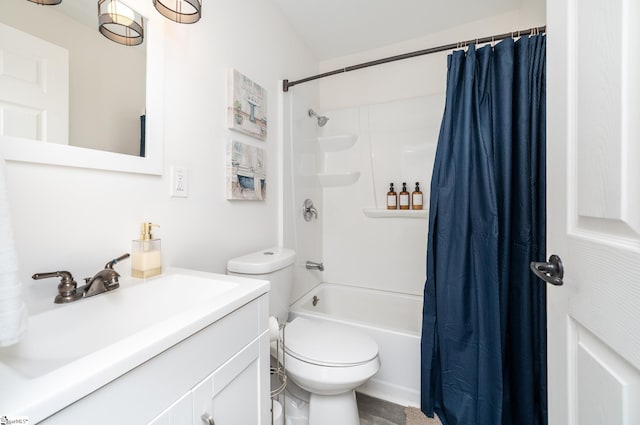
{"x": 374, "y": 411}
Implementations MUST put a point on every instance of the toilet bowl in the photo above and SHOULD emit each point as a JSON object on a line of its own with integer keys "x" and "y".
{"x": 325, "y": 359}
{"x": 329, "y": 361}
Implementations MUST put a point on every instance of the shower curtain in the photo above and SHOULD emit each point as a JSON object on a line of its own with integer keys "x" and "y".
{"x": 484, "y": 316}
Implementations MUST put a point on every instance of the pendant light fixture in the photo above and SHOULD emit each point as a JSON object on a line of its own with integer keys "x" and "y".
{"x": 46, "y": 2}
{"x": 180, "y": 11}
{"x": 120, "y": 23}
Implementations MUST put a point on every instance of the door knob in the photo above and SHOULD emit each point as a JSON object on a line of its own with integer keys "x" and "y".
{"x": 550, "y": 271}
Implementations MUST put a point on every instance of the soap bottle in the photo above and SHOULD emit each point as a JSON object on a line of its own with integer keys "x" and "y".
{"x": 392, "y": 198}
{"x": 146, "y": 258}
{"x": 404, "y": 198}
{"x": 416, "y": 198}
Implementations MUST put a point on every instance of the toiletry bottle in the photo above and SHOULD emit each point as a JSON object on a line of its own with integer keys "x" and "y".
{"x": 146, "y": 258}
{"x": 404, "y": 198}
{"x": 416, "y": 198}
{"x": 392, "y": 198}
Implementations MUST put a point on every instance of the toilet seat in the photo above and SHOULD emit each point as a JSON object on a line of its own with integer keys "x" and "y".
{"x": 328, "y": 344}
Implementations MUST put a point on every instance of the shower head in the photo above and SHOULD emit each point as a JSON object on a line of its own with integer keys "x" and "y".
{"x": 321, "y": 120}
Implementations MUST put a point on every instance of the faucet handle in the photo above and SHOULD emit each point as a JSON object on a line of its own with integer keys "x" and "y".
{"x": 115, "y": 261}
{"x": 112, "y": 282}
{"x": 67, "y": 288}
{"x": 309, "y": 211}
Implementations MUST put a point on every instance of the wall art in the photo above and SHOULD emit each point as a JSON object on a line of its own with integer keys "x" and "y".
{"x": 247, "y": 109}
{"x": 246, "y": 172}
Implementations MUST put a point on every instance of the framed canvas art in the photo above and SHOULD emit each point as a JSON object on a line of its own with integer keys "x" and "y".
{"x": 247, "y": 109}
{"x": 246, "y": 172}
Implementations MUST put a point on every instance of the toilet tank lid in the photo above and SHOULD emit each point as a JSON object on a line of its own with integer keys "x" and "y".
{"x": 262, "y": 262}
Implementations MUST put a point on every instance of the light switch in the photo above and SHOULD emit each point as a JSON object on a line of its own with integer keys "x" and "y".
{"x": 179, "y": 182}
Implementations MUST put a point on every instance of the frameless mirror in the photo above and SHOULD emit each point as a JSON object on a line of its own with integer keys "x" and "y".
{"x": 96, "y": 106}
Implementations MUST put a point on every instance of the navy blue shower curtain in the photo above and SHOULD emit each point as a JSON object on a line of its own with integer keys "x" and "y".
{"x": 484, "y": 316}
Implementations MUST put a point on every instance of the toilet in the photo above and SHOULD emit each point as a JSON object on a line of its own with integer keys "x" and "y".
{"x": 327, "y": 360}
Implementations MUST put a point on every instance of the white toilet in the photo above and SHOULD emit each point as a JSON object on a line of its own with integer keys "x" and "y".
{"x": 325, "y": 359}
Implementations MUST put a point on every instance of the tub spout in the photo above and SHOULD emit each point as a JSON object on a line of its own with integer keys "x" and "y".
{"x": 311, "y": 265}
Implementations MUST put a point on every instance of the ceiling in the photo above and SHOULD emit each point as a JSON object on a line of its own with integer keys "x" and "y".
{"x": 333, "y": 28}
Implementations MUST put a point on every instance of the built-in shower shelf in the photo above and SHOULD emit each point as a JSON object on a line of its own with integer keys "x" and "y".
{"x": 338, "y": 142}
{"x": 335, "y": 179}
{"x": 384, "y": 213}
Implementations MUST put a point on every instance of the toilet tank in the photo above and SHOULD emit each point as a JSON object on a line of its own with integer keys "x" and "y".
{"x": 274, "y": 265}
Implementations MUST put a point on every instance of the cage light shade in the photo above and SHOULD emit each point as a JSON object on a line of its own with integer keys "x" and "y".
{"x": 180, "y": 11}
{"x": 46, "y": 2}
{"x": 120, "y": 23}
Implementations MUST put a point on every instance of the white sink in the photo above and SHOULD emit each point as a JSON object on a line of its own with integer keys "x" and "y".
{"x": 75, "y": 348}
{"x": 72, "y": 331}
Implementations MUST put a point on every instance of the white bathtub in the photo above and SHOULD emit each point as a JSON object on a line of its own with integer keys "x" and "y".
{"x": 392, "y": 319}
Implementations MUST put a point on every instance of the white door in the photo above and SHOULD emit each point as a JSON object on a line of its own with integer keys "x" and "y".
{"x": 593, "y": 203}
{"x": 34, "y": 88}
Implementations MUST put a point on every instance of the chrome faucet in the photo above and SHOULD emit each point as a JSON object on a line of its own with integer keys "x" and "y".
{"x": 311, "y": 265}
{"x": 105, "y": 280}
{"x": 68, "y": 291}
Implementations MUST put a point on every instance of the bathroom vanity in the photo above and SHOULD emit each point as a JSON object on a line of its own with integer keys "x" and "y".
{"x": 186, "y": 347}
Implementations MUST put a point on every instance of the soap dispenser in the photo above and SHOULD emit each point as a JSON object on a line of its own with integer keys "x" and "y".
{"x": 392, "y": 198}
{"x": 404, "y": 197}
{"x": 146, "y": 258}
{"x": 416, "y": 198}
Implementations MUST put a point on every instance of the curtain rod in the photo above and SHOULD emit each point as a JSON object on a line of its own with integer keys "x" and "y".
{"x": 531, "y": 31}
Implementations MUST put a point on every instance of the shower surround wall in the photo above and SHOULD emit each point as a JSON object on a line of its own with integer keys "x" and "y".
{"x": 396, "y": 143}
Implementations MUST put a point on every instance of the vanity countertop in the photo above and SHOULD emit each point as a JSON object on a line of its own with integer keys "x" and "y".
{"x": 76, "y": 348}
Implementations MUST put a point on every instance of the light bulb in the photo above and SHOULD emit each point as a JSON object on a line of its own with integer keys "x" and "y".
{"x": 121, "y": 13}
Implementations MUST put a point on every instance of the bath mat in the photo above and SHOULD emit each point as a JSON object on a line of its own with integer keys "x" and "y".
{"x": 416, "y": 417}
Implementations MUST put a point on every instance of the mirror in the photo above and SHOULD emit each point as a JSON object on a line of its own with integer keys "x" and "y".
{"x": 102, "y": 127}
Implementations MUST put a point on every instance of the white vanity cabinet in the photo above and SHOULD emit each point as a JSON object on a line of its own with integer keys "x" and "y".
{"x": 221, "y": 370}
{"x": 233, "y": 394}
{"x": 180, "y": 412}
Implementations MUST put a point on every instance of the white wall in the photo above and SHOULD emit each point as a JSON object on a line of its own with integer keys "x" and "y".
{"x": 390, "y": 253}
{"x": 75, "y": 219}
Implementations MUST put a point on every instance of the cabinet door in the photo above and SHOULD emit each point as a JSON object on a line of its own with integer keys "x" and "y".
{"x": 234, "y": 393}
{"x": 179, "y": 413}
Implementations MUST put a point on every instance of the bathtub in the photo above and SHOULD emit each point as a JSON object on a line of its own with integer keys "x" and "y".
{"x": 392, "y": 319}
